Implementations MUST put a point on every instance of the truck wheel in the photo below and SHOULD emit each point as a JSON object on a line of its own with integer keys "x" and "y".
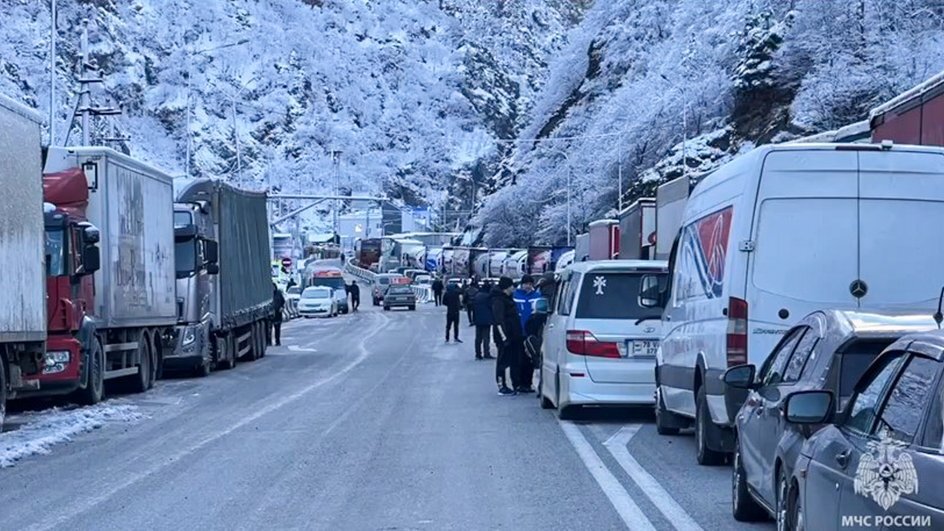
{"x": 141, "y": 381}
{"x": 202, "y": 370}
{"x": 262, "y": 339}
{"x": 224, "y": 353}
{"x": 3, "y": 389}
{"x": 154, "y": 351}
{"x": 94, "y": 389}
{"x": 413, "y": 308}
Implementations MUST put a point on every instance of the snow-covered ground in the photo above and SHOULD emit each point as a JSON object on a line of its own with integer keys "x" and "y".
{"x": 41, "y": 431}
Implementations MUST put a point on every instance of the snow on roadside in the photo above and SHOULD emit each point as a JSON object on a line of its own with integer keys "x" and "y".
{"x": 44, "y": 429}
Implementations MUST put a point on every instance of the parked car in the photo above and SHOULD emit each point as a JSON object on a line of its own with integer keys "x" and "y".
{"x": 600, "y": 342}
{"x": 413, "y": 273}
{"x": 334, "y": 279}
{"x": 774, "y": 235}
{"x": 318, "y": 301}
{"x": 293, "y": 293}
{"x": 423, "y": 280}
{"x": 380, "y": 286}
{"x": 877, "y": 463}
{"x": 827, "y": 350}
{"x": 399, "y": 296}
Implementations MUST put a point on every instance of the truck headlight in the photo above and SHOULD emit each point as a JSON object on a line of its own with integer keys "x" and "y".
{"x": 57, "y": 356}
{"x": 190, "y": 335}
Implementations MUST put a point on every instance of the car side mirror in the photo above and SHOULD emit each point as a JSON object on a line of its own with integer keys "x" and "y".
{"x": 650, "y": 295}
{"x": 91, "y": 260}
{"x": 212, "y": 268}
{"x": 740, "y": 377}
{"x": 809, "y": 407}
{"x": 211, "y": 251}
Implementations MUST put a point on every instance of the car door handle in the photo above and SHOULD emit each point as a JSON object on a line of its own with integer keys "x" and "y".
{"x": 842, "y": 458}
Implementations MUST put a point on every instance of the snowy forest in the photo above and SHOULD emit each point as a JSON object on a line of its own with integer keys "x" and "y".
{"x": 506, "y": 108}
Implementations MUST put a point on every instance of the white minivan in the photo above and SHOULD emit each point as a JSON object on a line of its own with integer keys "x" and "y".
{"x": 600, "y": 343}
{"x": 776, "y": 234}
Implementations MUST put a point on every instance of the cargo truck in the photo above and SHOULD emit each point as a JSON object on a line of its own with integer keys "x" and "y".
{"x": 496, "y": 262}
{"x": 638, "y": 230}
{"x": 224, "y": 285}
{"x": 604, "y": 239}
{"x": 913, "y": 117}
{"x": 539, "y": 260}
{"x": 516, "y": 264}
{"x": 478, "y": 263}
{"x": 367, "y": 252}
{"x": 119, "y": 323}
{"x": 461, "y": 258}
{"x": 22, "y": 330}
{"x": 670, "y": 205}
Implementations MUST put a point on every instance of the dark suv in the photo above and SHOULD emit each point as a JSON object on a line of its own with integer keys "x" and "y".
{"x": 827, "y": 350}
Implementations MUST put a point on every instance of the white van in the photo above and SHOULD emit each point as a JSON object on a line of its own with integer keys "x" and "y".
{"x": 776, "y": 234}
{"x": 600, "y": 343}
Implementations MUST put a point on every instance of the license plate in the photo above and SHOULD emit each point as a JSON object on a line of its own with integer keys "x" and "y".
{"x": 641, "y": 348}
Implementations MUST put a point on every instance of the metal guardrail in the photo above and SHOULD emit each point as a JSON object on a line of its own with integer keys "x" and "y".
{"x": 290, "y": 310}
{"x": 359, "y": 272}
{"x": 423, "y": 293}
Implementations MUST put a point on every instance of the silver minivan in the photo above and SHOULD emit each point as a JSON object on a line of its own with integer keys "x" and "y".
{"x": 600, "y": 341}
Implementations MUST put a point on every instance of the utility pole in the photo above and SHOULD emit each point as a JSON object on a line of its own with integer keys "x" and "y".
{"x": 570, "y": 172}
{"x": 52, "y": 74}
{"x": 619, "y": 172}
{"x": 85, "y": 100}
{"x": 239, "y": 160}
{"x": 336, "y": 157}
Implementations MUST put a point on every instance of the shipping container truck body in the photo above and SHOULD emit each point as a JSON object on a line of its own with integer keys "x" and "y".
{"x": 913, "y": 117}
{"x": 670, "y": 205}
{"x": 367, "y": 251}
{"x": 478, "y": 263}
{"x": 23, "y": 330}
{"x": 604, "y": 239}
{"x": 224, "y": 285}
{"x": 131, "y": 317}
{"x": 638, "y": 230}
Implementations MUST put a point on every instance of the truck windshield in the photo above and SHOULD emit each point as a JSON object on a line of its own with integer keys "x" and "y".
{"x": 185, "y": 256}
{"x": 55, "y": 252}
{"x": 330, "y": 282}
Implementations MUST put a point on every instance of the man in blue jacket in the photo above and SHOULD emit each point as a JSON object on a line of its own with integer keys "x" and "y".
{"x": 524, "y": 298}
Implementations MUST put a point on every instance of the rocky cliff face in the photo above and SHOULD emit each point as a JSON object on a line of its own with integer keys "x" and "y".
{"x": 414, "y": 94}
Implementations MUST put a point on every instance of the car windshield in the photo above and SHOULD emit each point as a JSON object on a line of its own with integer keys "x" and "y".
{"x": 383, "y": 281}
{"x": 185, "y": 257}
{"x": 399, "y": 290}
{"x": 316, "y": 293}
{"x": 613, "y": 295}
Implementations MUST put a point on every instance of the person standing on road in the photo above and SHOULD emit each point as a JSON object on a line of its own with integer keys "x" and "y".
{"x": 548, "y": 288}
{"x": 482, "y": 316}
{"x": 453, "y": 302}
{"x": 509, "y": 336}
{"x": 438, "y": 291}
{"x": 278, "y": 305}
{"x": 524, "y": 298}
{"x": 355, "y": 292}
{"x": 470, "y": 293}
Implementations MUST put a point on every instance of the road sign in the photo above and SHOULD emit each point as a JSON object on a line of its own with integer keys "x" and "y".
{"x": 286, "y": 262}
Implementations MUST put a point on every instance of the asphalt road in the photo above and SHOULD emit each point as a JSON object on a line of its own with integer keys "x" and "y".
{"x": 366, "y": 422}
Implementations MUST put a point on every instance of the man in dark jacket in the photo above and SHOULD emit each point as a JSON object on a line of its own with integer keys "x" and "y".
{"x": 482, "y": 317}
{"x": 453, "y": 302}
{"x": 355, "y": 292}
{"x": 438, "y": 291}
{"x": 508, "y": 336}
{"x": 469, "y": 297}
{"x": 278, "y": 304}
{"x": 548, "y": 288}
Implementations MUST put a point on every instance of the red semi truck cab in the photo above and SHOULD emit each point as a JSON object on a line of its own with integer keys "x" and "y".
{"x": 71, "y": 259}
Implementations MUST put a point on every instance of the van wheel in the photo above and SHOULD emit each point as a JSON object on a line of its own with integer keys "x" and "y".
{"x": 743, "y": 505}
{"x": 95, "y": 382}
{"x": 705, "y": 455}
{"x": 545, "y": 401}
{"x": 662, "y": 419}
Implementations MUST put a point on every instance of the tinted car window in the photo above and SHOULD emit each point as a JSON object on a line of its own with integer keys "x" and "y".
{"x": 905, "y": 406}
{"x": 383, "y": 281}
{"x": 865, "y": 403}
{"x": 934, "y": 432}
{"x": 771, "y": 372}
{"x": 569, "y": 289}
{"x": 611, "y": 295}
{"x": 801, "y": 356}
{"x": 851, "y": 364}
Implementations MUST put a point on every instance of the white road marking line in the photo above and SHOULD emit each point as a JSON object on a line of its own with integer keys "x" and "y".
{"x": 627, "y": 509}
{"x": 673, "y": 512}
{"x": 296, "y": 348}
{"x": 65, "y": 514}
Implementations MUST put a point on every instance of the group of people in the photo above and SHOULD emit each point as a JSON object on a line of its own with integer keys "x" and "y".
{"x": 508, "y": 316}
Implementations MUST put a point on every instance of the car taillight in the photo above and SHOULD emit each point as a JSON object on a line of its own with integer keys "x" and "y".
{"x": 583, "y": 343}
{"x": 737, "y": 332}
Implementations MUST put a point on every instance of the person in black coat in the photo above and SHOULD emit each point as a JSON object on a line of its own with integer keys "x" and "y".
{"x": 278, "y": 304}
{"x": 355, "y": 292}
{"x": 481, "y": 306}
{"x": 453, "y": 302}
{"x": 508, "y": 336}
{"x": 469, "y": 297}
{"x": 438, "y": 291}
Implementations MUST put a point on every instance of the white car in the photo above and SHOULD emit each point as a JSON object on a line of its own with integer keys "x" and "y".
{"x": 774, "y": 235}
{"x": 318, "y": 301}
{"x": 600, "y": 342}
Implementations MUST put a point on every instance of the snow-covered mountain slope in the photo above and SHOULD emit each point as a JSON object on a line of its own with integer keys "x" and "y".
{"x": 411, "y": 92}
{"x": 637, "y": 77}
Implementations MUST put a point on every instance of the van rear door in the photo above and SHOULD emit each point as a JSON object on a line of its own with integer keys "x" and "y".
{"x": 901, "y": 206}
{"x": 804, "y": 232}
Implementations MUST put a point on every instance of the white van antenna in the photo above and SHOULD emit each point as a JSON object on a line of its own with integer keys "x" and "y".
{"x": 938, "y": 316}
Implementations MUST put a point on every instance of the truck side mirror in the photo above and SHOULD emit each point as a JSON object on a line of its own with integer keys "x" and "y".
{"x": 211, "y": 251}
{"x": 90, "y": 233}
{"x": 212, "y": 269}
{"x": 91, "y": 260}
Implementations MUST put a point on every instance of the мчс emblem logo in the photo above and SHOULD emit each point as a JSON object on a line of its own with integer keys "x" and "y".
{"x": 886, "y": 472}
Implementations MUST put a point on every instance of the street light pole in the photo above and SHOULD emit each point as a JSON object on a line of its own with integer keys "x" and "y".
{"x": 570, "y": 172}
{"x": 52, "y": 74}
